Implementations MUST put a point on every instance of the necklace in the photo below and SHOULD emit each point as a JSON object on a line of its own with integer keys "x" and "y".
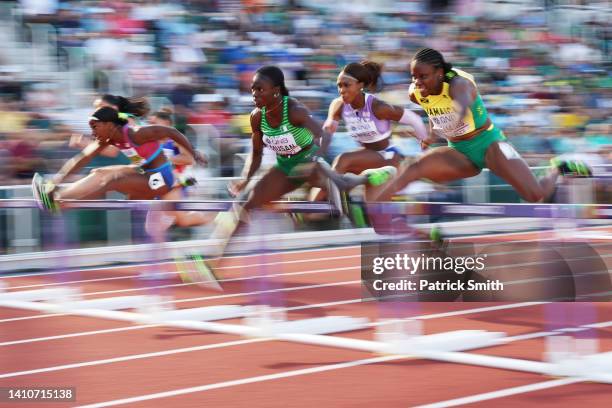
{"x": 274, "y": 108}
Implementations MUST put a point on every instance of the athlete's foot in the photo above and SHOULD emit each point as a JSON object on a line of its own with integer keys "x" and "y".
{"x": 355, "y": 211}
{"x": 344, "y": 182}
{"x": 437, "y": 238}
{"x": 379, "y": 176}
{"x": 194, "y": 269}
{"x": 572, "y": 168}
{"x": 43, "y": 199}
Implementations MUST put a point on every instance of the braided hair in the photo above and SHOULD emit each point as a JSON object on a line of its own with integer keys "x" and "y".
{"x": 434, "y": 58}
{"x": 275, "y": 75}
{"x": 367, "y": 72}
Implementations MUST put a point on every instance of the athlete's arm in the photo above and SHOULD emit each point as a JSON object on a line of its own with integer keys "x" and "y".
{"x": 463, "y": 93}
{"x": 253, "y": 161}
{"x": 300, "y": 116}
{"x": 80, "y": 141}
{"x": 77, "y": 162}
{"x": 333, "y": 116}
{"x": 183, "y": 158}
{"x": 384, "y": 111}
{"x": 159, "y": 133}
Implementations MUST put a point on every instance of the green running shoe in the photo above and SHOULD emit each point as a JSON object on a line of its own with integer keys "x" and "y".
{"x": 379, "y": 176}
{"x": 573, "y": 168}
{"x": 43, "y": 199}
{"x": 355, "y": 211}
{"x": 194, "y": 269}
{"x": 437, "y": 238}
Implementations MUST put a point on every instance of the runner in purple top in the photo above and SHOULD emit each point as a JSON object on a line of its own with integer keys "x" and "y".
{"x": 368, "y": 120}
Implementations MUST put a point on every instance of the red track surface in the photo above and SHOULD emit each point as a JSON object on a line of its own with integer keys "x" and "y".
{"x": 232, "y": 367}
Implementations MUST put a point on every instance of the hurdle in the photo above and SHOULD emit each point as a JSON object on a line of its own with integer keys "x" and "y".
{"x": 600, "y": 211}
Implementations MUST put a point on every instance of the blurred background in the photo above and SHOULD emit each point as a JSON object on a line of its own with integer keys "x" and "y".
{"x": 543, "y": 68}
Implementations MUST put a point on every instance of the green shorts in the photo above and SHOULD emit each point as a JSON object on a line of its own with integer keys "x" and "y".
{"x": 475, "y": 149}
{"x": 288, "y": 164}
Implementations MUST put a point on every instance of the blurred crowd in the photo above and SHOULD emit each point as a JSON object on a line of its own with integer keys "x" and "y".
{"x": 545, "y": 79}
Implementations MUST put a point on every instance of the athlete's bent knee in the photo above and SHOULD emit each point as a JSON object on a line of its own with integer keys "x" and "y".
{"x": 341, "y": 163}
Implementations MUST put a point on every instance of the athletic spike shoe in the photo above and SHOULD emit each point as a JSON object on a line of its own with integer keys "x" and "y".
{"x": 297, "y": 218}
{"x": 358, "y": 215}
{"x": 437, "y": 238}
{"x": 380, "y": 176}
{"x": 196, "y": 270}
{"x": 43, "y": 199}
{"x": 355, "y": 211}
{"x": 573, "y": 168}
{"x": 188, "y": 181}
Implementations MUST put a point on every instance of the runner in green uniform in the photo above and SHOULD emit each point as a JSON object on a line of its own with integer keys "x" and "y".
{"x": 284, "y": 125}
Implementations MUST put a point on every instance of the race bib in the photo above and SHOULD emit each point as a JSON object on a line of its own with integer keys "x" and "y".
{"x": 283, "y": 145}
{"x": 361, "y": 129}
{"x": 133, "y": 156}
{"x": 448, "y": 126}
{"x": 156, "y": 181}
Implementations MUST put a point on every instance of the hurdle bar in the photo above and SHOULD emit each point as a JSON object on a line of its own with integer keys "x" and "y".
{"x": 583, "y": 211}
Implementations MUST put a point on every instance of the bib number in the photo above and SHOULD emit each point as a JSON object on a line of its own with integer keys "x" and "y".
{"x": 283, "y": 145}
{"x": 156, "y": 181}
{"x": 362, "y": 130}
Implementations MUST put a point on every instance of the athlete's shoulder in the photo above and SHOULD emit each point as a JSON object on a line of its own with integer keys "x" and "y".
{"x": 335, "y": 108}
{"x": 255, "y": 119}
{"x": 297, "y": 110}
{"x": 336, "y": 103}
{"x": 256, "y": 113}
{"x": 412, "y": 93}
{"x": 457, "y": 75}
{"x": 293, "y": 103}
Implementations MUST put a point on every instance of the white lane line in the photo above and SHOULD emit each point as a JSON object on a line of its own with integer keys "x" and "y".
{"x": 79, "y": 334}
{"x": 545, "y": 232}
{"x": 331, "y": 258}
{"x": 529, "y": 336}
{"x": 38, "y": 316}
{"x": 248, "y": 380}
{"x": 145, "y": 264}
{"x": 177, "y": 285}
{"x": 132, "y": 357}
{"x": 502, "y": 393}
{"x": 260, "y": 292}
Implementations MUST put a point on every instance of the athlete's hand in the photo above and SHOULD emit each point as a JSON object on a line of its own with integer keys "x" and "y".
{"x": 432, "y": 138}
{"x": 236, "y": 188}
{"x": 78, "y": 141}
{"x": 200, "y": 159}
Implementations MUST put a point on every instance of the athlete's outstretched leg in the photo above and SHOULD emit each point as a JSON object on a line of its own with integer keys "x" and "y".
{"x": 95, "y": 185}
{"x": 442, "y": 164}
{"x": 504, "y": 161}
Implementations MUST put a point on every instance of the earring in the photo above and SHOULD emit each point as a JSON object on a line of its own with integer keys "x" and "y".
{"x": 276, "y": 95}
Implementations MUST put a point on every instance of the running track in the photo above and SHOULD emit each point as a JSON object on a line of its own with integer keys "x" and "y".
{"x": 116, "y": 363}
